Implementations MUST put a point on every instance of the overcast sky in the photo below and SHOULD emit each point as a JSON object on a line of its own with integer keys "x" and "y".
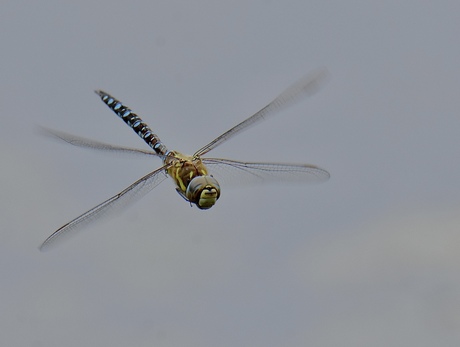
{"x": 369, "y": 258}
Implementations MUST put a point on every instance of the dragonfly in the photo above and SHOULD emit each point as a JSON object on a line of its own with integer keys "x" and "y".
{"x": 194, "y": 176}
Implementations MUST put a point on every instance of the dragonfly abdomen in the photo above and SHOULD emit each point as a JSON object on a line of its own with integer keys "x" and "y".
{"x": 135, "y": 122}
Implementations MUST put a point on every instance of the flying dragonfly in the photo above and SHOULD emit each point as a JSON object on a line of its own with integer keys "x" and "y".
{"x": 193, "y": 175}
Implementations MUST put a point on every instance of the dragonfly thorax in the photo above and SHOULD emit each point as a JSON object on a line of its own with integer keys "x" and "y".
{"x": 203, "y": 191}
{"x": 192, "y": 180}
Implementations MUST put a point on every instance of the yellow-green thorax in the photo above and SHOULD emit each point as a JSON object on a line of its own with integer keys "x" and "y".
{"x": 192, "y": 180}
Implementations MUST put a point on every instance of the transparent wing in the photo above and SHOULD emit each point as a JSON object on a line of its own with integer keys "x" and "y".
{"x": 78, "y": 141}
{"x": 109, "y": 207}
{"x": 233, "y": 172}
{"x": 306, "y": 86}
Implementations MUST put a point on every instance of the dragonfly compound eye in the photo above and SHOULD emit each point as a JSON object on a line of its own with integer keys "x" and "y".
{"x": 203, "y": 191}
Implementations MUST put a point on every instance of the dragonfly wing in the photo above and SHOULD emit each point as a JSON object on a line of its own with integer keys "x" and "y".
{"x": 233, "y": 172}
{"x": 306, "y": 86}
{"x": 109, "y": 207}
{"x": 78, "y": 141}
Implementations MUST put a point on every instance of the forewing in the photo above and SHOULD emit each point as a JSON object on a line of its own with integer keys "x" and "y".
{"x": 304, "y": 87}
{"x": 115, "y": 204}
{"x": 79, "y": 141}
{"x": 234, "y": 173}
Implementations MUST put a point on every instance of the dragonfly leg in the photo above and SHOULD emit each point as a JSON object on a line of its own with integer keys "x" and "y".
{"x": 181, "y": 193}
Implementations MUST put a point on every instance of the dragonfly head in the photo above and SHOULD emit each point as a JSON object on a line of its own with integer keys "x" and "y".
{"x": 203, "y": 191}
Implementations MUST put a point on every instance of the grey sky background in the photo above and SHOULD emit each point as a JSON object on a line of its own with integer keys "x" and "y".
{"x": 370, "y": 258}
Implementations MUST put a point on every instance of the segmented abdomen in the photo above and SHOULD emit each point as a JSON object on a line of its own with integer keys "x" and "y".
{"x": 135, "y": 122}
